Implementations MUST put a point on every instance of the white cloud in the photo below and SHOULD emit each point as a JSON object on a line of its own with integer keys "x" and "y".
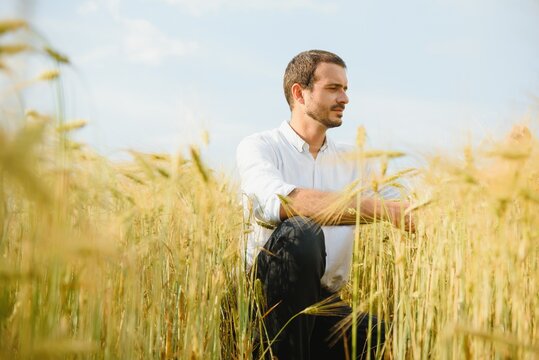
{"x": 140, "y": 41}
{"x": 197, "y": 7}
{"x": 144, "y": 43}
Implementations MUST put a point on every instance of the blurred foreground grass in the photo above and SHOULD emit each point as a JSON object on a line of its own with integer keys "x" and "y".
{"x": 142, "y": 259}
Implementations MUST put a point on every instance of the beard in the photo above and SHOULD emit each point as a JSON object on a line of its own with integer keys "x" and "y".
{"x": 323, "y": 116}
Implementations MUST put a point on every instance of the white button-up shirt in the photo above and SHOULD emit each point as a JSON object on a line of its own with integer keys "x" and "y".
{"x": 277, "y": 161}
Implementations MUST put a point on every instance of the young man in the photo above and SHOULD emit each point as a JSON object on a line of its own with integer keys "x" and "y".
{"x": 301, "y": 262}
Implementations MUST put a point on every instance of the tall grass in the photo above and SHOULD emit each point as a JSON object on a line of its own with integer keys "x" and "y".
{"x": 142, "y": 259}
{"x": 465, "y": 286}
{"x": 122, "y": 261}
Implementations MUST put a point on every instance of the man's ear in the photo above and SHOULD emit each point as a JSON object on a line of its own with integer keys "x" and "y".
{"x": 297, "y": 93}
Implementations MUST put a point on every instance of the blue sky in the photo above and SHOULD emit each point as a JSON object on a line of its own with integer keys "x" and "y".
{"x": 152, "y": 74}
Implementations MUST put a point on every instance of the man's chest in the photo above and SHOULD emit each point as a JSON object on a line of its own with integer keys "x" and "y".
{"x": 328, "y": 172}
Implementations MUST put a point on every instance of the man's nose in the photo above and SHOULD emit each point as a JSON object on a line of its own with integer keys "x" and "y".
{"x": 343, "y": 98}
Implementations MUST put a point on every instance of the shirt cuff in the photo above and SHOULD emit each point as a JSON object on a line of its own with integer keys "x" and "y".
{"x": 273, "y": 206}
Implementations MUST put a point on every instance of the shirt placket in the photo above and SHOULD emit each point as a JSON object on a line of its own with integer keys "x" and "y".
{"x": 311, "y": 170}
{"x": 317, "y": 181}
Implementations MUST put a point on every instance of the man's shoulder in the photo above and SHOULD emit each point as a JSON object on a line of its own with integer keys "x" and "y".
{"x": 266, "y": 137}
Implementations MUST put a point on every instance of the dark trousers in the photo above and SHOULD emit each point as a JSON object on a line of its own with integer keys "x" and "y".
{"x": 290, "y": 268}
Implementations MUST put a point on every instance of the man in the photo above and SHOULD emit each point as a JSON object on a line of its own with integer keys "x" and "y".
{"x": 301, "y": 262}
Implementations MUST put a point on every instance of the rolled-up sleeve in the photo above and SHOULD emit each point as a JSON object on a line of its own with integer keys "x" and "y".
{"x": 261, "y": 180}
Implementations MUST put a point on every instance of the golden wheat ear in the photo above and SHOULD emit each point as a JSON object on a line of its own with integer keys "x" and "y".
{"x": 330, "y": 306}
{"x": 9, "y": 25}
{"x": 195, "y": 155}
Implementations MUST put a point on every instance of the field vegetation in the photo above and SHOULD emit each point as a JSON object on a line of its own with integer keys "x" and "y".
{"x": 142, "y": 258}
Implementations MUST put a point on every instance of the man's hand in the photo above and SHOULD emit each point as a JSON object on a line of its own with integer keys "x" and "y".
{"x": 399, "y": 217}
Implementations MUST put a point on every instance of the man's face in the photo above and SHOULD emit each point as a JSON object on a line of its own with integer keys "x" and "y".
{"x": 326, "y": 101}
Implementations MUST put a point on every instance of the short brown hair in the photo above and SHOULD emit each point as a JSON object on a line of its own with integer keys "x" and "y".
{"x": 302, "y": 67}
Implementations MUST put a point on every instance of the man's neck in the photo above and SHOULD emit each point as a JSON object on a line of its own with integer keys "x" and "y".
{"x": 311, "y": 131}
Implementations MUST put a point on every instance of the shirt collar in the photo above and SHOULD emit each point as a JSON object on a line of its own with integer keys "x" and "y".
{"x": 293, "y": 138}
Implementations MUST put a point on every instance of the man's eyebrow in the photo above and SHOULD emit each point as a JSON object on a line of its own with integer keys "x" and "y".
{"x": 337, "y": 85}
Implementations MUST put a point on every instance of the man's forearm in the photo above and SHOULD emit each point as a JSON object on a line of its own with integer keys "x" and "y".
{"x": 332, "y": 209}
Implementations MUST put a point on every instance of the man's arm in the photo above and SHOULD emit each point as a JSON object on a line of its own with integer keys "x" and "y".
{"x": 329, "y": 208}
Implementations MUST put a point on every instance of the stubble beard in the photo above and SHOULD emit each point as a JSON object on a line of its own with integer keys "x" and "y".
{"x": 323, "y": 117}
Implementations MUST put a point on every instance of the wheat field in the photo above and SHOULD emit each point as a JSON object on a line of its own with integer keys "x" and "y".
{"x": 142, "y": 259}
